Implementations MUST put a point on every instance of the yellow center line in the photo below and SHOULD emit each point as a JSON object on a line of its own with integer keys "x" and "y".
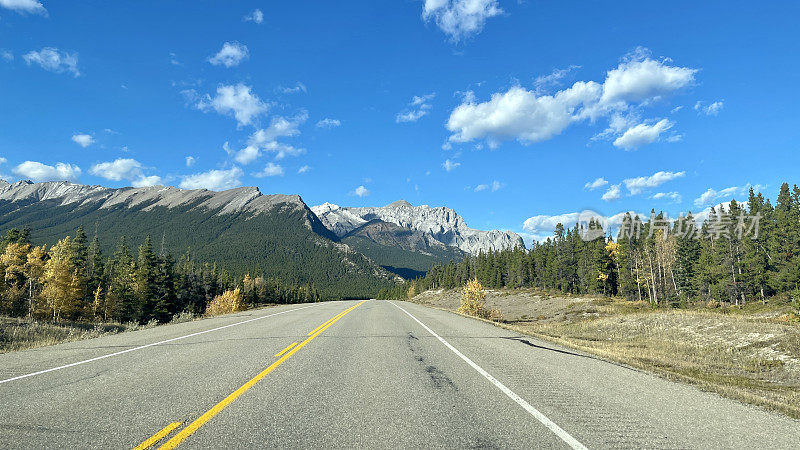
{"x": 158, "y": 436}
{"x": 200, "y": 421}
{"x": 286, "y": 349}
{"x": 336, "y": 317}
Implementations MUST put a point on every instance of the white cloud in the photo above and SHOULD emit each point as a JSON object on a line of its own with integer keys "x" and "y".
{"x": 84, "y": 140}
{"x": 613, "y": 193}
{"x": 674, "y": 196}
{"x": 712, "y": 196}
{"x": 7, "y": 55}
{"x": 215, "y": 180}
{"x": 117, "y": 170}
{"x": 418, "y": 108}
{"x": 304, "y": 169}
{"x": 266, "y": 139}
{"x": 173, "y": 59}
{"x": 145, "y": 181}
{"x": 711, "y": 110}
{"x": 125, "y": 169}
{"x": 329, "y": 123}
{"x": 460, "y": 18}
{"x": 247, "y": 155}
{"x": 542, "y": 226}
{"x": 494, "y": 186}
{"x": 639, "y": 184}
{"x": 54, "y": 60}
{"x": 24, "y": 6}
{"x": 283, "y": 150}
{"x": 520, "y": 114}
{"x": 37, "y": 171}
{"x": 279, "y": 127}
{"x": 299, "y": 87}
{"x": 190, "y": 160}
{"x": 530, "y": 117}
{"x": 4, "y": 176}
{"x": 270, "y": 170}
{"x": 450, "y": 165}
{"x": 236, "y": 99}
{"x": 642, "y": 134}
{"x": 596, "y": 184}
{"x": 544, "y": 82}
{"x": 360, "y": 191}
{"x": 643, "y": 79}
{"x": 231, "y": 54}
{"x": 256, "y": 16}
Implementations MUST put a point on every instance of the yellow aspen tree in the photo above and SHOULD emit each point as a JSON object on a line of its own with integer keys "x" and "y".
{"x": 34, "y": 271}
{"x": 12, "y": 261}
{"x": 62, "y": 282}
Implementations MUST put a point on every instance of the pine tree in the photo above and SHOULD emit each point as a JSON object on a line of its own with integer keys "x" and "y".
{"x": 121, "y": 293}
{"x": 146, "y": 288}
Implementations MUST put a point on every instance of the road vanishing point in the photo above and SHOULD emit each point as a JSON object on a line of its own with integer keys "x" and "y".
{"x": 355, "y": 374}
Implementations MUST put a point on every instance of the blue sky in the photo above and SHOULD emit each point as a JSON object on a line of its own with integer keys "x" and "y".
{"x": 514, "y": 113}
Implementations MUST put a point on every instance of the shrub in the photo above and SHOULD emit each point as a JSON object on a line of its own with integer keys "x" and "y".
{"x": 473, "y": 302}
{"x": 227, "y": 302}
{"x": 473, "y": 299}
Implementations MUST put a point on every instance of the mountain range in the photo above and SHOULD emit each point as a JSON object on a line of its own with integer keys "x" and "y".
{"x": 344, "y": 252}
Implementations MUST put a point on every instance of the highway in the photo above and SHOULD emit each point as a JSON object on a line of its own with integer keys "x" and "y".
{"x": 355, "y": 374}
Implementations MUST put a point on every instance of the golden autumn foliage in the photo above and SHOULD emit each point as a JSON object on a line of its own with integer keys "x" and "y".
{"x": 63, "y": 286}
{"x": 613, "y": 249}
{"x": 473, "y": 302}
{"x": 412, "y": 291}
{"x": 227, "y": 302}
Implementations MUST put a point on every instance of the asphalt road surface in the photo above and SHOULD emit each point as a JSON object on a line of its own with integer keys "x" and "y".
{"x": 352, "y": 374}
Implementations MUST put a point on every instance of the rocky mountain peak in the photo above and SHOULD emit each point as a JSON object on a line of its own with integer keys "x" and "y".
{"x": 439, "y": 223}
{"x": 400, "y": 204}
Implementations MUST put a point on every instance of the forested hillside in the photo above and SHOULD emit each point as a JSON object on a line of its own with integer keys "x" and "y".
{"x": 76, "y": 280}
{"x": 283, "y": 241}
{"x": 723, "y": 259}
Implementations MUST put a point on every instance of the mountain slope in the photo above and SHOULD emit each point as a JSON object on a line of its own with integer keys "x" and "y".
{"x": 440, "y": 224}
{"x": 241, "y": 229}
{"x": 408, "y": 253}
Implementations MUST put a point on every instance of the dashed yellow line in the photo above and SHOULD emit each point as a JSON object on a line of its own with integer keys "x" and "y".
{"x": 200, "y": 421}
{"x": 158, "y": 436}
{"x": 285, "y": 350}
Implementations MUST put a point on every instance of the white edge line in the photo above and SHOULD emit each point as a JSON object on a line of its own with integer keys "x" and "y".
{"x": 558, "y": 431}
{"x": 149, "y": 345}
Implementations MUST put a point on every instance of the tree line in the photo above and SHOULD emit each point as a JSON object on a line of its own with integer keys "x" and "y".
{"x": 664, "y": 262}
{"x": 73, "y": 280}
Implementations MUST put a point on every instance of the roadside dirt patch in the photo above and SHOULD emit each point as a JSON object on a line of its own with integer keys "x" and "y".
{"x": 750, "y": 355}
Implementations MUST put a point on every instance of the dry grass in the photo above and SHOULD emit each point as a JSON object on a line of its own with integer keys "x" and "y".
{"x": 750, "y": 354}
{"x": 22, "y": 333}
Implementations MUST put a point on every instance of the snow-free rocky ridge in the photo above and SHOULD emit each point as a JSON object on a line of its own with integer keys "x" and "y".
{"x": 440, "y": 223}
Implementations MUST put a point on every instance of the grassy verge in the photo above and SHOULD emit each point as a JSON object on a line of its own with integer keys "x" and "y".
{"x": 750, "y": 354}
{"x": 22, "y": 333}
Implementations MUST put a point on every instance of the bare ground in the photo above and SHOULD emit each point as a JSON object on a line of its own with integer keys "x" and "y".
{"x": 750, "y": 354}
